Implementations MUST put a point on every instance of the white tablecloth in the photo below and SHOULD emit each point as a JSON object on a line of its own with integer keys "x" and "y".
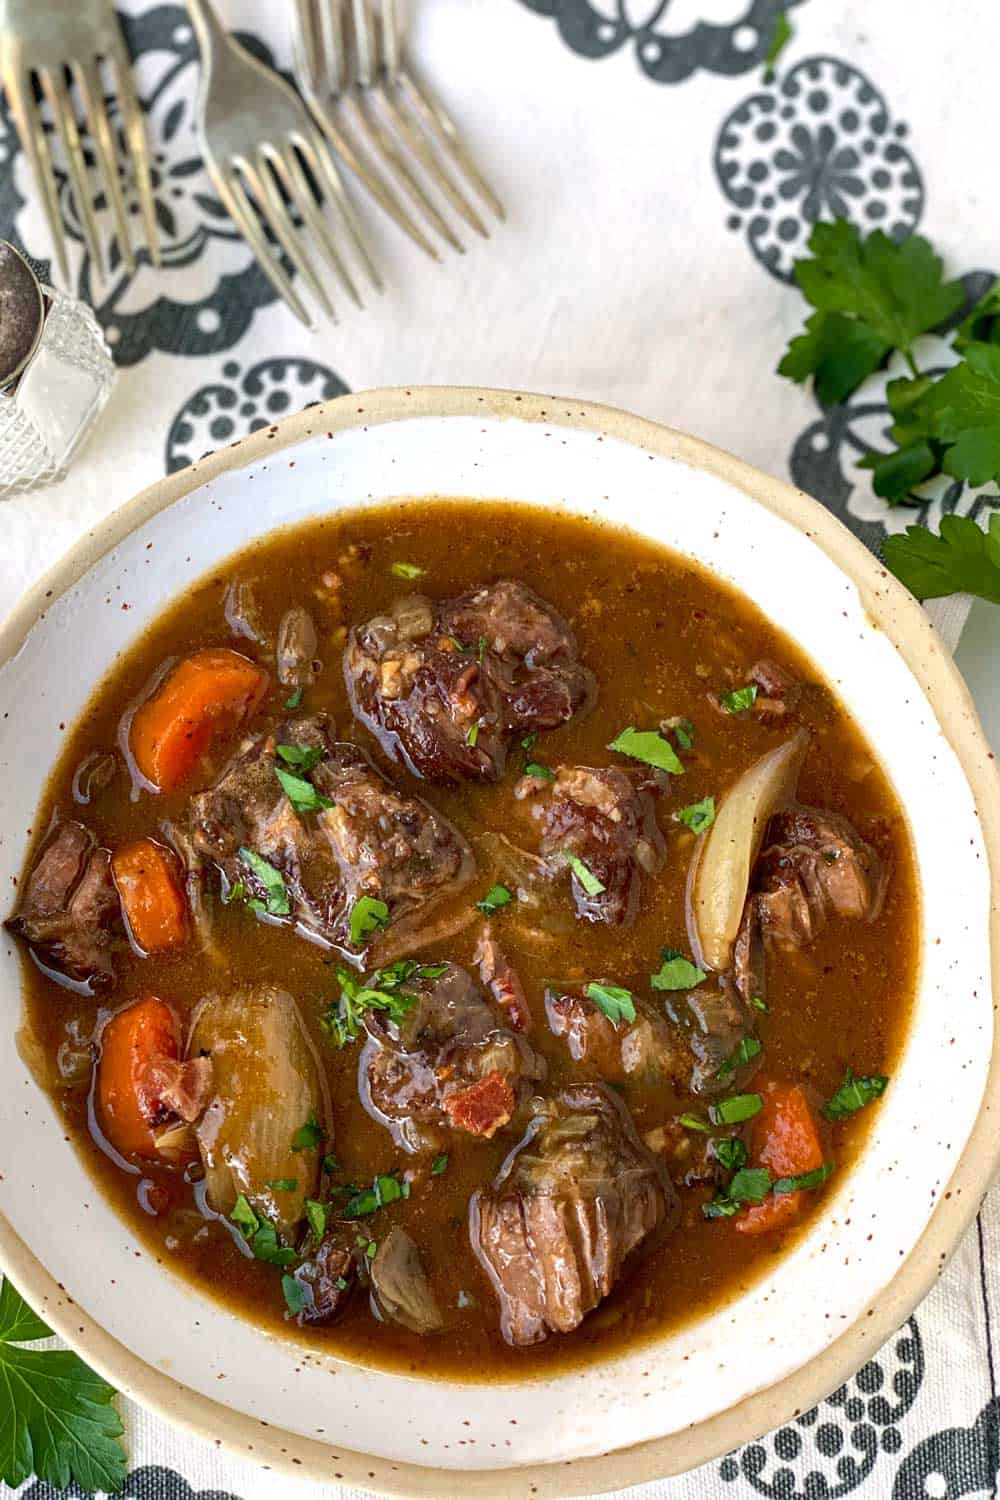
{"x": 657, "y": 192}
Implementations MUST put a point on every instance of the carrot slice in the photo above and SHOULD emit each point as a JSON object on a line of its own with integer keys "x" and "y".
{"x": 151, "y": 897}
{"x": 131, "y": 1041}
{"x": 785, "y": 1138}
{"x": 206, "y": 695}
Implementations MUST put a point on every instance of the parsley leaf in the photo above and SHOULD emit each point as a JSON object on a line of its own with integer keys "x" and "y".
{"x": 649, "y": 747}
{"x": 368, "y": 915}
{"x": 806, "y": 1180}
{"x": 738, "y": 700}
{"x": 749, "y": 1185}
{"x": 406, "y": 570}
{"x": 588, "y": 880}
{"x": 308, "y": 1136}
{"x": 692, "y": 1122}
{"x": 472, "y": 736}
{"x": 736, "y": 1109}
{"x": 316, "y": 1217}
{"x": 853, "y": 1094}
{"x": 615, "y": 1002}
{"x": 747, "y": 1050}
{"x": 294, "y": 699}
{"x": 439, "y": 1164}
{"x": 962, "y": 559}
{"x": 682, "y": 730}
{"x": 283, "y": 1184}
{"x": 342, "y": 1021}
{"x": 676, "y": 972}
{"x": 838, "y": 351}
{"x": 276, "y": 901}
{"x": 57, "y": 1418}
{"x": 496, "y": 896}
{"x": 698, "y": 816}
{"x": 535, "y": 768}
{"x": 301, "y": 757}
{"x": 982, "y": 324}
{"x": 301, "y": 793}
{"x": 266, "y": 1247}
{"x": 730, "y": 1153}
{"x": 295, "y": 1294}
{"x": 384, "y": 1190}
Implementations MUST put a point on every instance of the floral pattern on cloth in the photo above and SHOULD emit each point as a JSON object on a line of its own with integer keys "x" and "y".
{"x": 819, "y": 144}
{"x": 203, "y": 296}
{"x": 672, "y": 39}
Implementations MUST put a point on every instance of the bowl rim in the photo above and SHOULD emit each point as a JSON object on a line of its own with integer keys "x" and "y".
{"x": 904, "y": 622}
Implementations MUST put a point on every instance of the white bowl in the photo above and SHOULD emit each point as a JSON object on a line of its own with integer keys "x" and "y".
{"x": 885, "y": 1231}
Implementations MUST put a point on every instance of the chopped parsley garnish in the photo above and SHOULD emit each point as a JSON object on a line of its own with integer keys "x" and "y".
{"x": 698, "y": 816}
{"x": 342, "y": 1022}
{"x": 384, "y": 1190}
{"x": 368, "y": 915}
{"x": 738, "y": 700}
{"x": 692, "y": 1122}
{"x": 472, "y": 738}
{"x": 747, "y": 1050}
{"x": 481, "y": 650}
{"x": 301, "y": 793}
{"x": 588, "y": 880}
{"x": 496, "y": 896}
{"x": 301, "y": 757}
{"x": 244, "y": 1217}
{"x": 853, "y": 1094}
{"x": 683, "y": 732}
{"x": 406, "y": 570}
{"x": 806, "y": 1180}
{"x": 330, "y": 1164}
{"x": 316, "y": 1217}
{"x": 616, "y": 1003}
{"x": 730, "y": 1153}
{"x": 736, "y": 1109}
{"x": 759, "y": 1003}
{"x": 535, "y": 768}
{"x": 266, "y": 1247}
{"x": 748, "y": 1185}
{"x": 439, "y": 1164}
{"x": 649, "y": 747}
{"x": 295, "y": 1294}
{"x": 308, "y": 1136}
{"x": 235, "y": 891}
{"x": 676, "y": 972}
{"x": 530, "y": 741}
{"x": 294, "y": 700}
{"x": 276, "y": 902}
{"x": 283, "y": 1184}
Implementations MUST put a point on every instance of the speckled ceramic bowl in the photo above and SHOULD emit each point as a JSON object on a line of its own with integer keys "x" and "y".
{"x": 891, "y": 1223}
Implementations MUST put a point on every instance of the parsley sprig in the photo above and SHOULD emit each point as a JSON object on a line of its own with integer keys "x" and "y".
{"x": 383, "y": 991}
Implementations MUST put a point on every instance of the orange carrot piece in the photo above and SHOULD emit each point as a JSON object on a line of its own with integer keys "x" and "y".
{"x": 151, "y": 897}
{"x": 785, "y": 1138}
{"x": 205, "y": 695}
{"x": 130, "y": 1042}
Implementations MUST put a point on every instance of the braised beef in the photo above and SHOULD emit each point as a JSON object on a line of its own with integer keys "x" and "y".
{"x": 718, "y": 1023}
{"x": 400, "y": 1288}
{"x": 445, "y": 686}
{"x": 501, "y": 979}
{"x": 69, "y": 913}
{"x": 372, "y": 841}
{"x": 813, "y": 866}
{"x": 605, "y": 818}
{"x": 572, "y": 1201}
{"x": 296, "y": 649}
{"x": 647, "y": 1049}
{"x": 451, "y": 1063}
{"x": 327, "y": 1278}
{"x": 778, "y": 692}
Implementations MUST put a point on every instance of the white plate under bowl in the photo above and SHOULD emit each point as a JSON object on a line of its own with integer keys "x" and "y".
{"x": 868, "y": 1256}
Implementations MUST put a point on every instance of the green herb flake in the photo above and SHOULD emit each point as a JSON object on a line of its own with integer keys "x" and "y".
{"x": 235, "y": 891}
{"x": 748, "y": 1185}
{"x": 529, "y": 741}
{"x": 301, "y": 793}
{"x": 299, "y": 757}
{"x": 439, "y": 1164}
{"x": 806, "y": 1181}
{"x": 406, "y": 570}
{"x": 698, "y": 816}
{"x": 649, "y": 747}
{"x": 295, "y": 1294}
{"x": 244, "y": 1217}
{"x": 496, "y": 896}
{"x": 739, "y": 699}
{"x": 535, "y": 768}
{"x": 58, "y": 1418}
{"x": 276, "y": 902}
{"x": 676, "y": 972}
{"x": 747, "y": 1050}
{"x": 330, "y": 1164}
{"x": 308, "y": 1136}
{"x": 368, "y": 915}
{"x": 586, "y": 877}
{"x": 759, "y": 1003}
{"x": 266, "y": 1246}
{"x": 683, "y": 732}
{"x": 730, "y": 1153}
{"x": 283, "y": 1184}
{"x": 735, "y": 1109}
{"x": 472, "y": 737}
{"x": 481, "y": 650}
{"x": 616, "y": 1003}
{"x": 384, "y": 1190}
{"x": 316, "y": 1217}
{"x": 854, "y": 1093}
{"x": 294, "y": 700}
{"x": 692, "y": 1122}
{"x": 343, "y": 1020}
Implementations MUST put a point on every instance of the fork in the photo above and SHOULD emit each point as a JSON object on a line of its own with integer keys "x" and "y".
{"x": 44, "y": 42}
{"x": 350, "y": 62}
{"x": 266, "y": 158}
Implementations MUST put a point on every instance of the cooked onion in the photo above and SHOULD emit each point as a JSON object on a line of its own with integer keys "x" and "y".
{"x": 267, "y": 1086}
{"x": 724, "y": 856}
{"x": 400, "y": 1286}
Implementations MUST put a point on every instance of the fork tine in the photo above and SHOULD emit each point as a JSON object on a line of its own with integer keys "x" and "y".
{"x": 315, "y": 150}
{"x": 275, "y": 215}
{"x": 31, "y": 131}
{"x": 55, "y": 90}
{"x": 241, "y": 211}
{"x": 382, "y": 143}
{"x": 288, "y": 167}
{"x": 135, "y": 136}
{"x": 89, "y": 82}
{"x": 417, "y": 142}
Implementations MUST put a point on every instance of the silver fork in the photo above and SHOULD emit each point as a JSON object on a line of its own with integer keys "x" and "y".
{"x": 349, "y": 66}
{"x": 44, "y": 41}
{"x": 261, "y": 149}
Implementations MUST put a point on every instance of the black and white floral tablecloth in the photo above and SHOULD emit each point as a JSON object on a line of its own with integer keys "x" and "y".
{"x": 658, "y": 191}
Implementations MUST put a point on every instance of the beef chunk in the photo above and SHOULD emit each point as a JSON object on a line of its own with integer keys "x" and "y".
{"x": 571, "y": 1202}
{"x": 647, "y": 1049}
{"x": 69, "y": 914}
{"x": 296, "y": 649}
{"x": 372, "y": 841}
{"x": 327, "y": 1278}
{"x": 813, "y": 866}
{"x": 719, "y": 1023}
{"x": 444, "y": 686}
{"x": 400, "y": 1287}
{"x": 607, "y": 819}
{"x": 778, "y": 692}
{"x": 502, "y": 980}
{"x": 450, "y": 1063}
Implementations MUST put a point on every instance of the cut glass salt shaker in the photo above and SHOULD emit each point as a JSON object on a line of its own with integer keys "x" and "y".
{"x": 55, "y": 376}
